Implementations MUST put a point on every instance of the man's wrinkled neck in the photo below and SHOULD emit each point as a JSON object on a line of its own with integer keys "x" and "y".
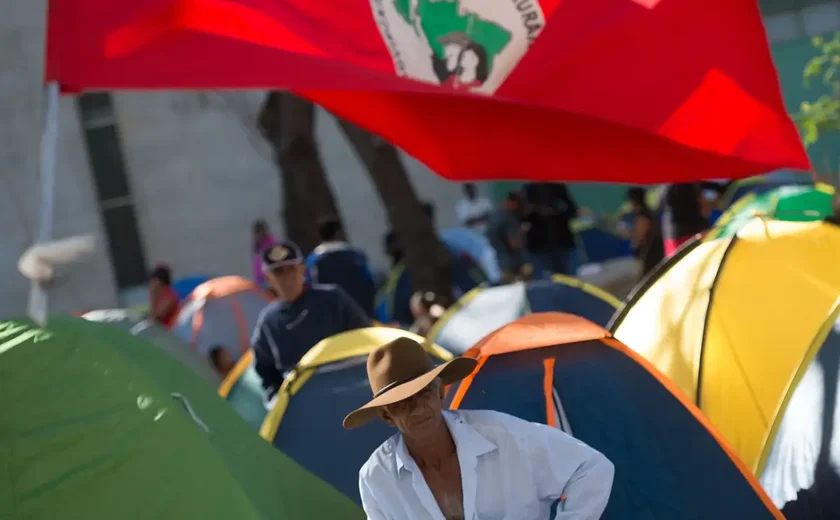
{"x": 432, "y": 449}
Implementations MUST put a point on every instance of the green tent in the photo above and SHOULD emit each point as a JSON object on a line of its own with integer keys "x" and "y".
{"x": 136, "y": 325}
{"x": 789, "y": 203}
{"x": 98, "y": 424}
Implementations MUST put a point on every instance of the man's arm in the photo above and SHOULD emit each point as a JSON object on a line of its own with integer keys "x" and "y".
{"x": 369, "y": 502}
{"x": 352, "y": 316}
{"x": 569, "y": 470}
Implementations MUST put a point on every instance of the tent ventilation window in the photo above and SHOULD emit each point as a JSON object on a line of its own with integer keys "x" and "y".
{"x": 562, "y": 421}
{"x": 183, "y": 400}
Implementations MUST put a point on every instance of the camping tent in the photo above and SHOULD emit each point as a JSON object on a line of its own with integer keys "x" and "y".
{"x": 159, "y": 337}
{"x": 329, "y": 382}
{"x": 761, "y": 184}
{"x": 242, "y": 388}
{"x": 185, "y": 285}
{"x": 596, "y": 242}
{"x": 98, "y": 424}
{"x": 567, "y": 372}
{"x": 470, "y": 242}
{"x": 796, "y": 203}
{"x": 483, "y": 310}
{"x": 221, "y": 312}
{"x": 393, "y": 301}
{"x": 734, "y": 323}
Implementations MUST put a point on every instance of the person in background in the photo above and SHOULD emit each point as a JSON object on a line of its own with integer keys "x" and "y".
{"x": 505, "y": 235}
{"x": 448, "y": 464}
{"x": 336, "y": 262}
{"x": 164, "y": 303}
{"x": 393, "y": 247}
{"x": 472, "y": 210}
{"x": 426, "y": 311}
{"x": 646, "y": 234}
{"x": 682, "y": 215}
{"x": 261, "y": 240}
{"x": 301, "y": 316}
{"x": 221, "y": 360}
{"x": 548, "y": 220}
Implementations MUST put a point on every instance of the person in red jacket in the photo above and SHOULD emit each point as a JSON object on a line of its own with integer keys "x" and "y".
{"x": 164, "y": 303}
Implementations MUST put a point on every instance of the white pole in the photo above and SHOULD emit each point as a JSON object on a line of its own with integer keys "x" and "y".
{"x": 38, "y": 309}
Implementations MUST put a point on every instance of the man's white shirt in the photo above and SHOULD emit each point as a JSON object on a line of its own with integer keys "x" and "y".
{"x": 511, "y": 469}
{"x": 467, "y": 209}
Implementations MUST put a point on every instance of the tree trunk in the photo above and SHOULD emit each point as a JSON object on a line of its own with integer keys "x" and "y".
{"x": 288, "y": 123}
{"x": 425, "y": 256}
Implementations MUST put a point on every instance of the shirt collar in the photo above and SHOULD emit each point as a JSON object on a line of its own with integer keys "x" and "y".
{"x": 469, "y": 443}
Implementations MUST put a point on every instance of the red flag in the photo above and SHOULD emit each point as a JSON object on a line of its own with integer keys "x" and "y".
{"x": 591, "y": 90}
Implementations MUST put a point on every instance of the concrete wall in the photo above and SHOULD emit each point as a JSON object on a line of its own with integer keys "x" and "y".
{"x": 199, "y": 171}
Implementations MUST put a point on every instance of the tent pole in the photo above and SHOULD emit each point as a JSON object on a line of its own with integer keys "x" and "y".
{"x": 47, "y": 173}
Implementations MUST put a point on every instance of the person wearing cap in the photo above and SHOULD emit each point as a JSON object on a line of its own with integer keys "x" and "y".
{"x": 466, "y": 464}
{"x": 302, "y": 316}
{"x": 164, "y": 303}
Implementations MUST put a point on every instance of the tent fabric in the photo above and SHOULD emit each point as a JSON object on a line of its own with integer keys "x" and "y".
{"x": 159, "y": 337}
{"x": 796, "y": 203}
{"x": 566, "y": 372}
{"x": 99, "y": 424}
{"x": 242, "y": 389}
{"x": 802, "y": 471}
{"x": 730, "y": 321}
{"x": 184, "y": 286}
{"x": 483, "y": 310}
{"x": 221, "y": 312}
{"x": 470, "y": 242}
{"x": 761, "y": 184}
{"x": 393, "y": 301}
{"x": 329, "y": 382}
{"x": 596, "y": 243}
{"x": 718, "y": 109}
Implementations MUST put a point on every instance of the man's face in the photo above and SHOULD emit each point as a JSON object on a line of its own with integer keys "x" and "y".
{"x": 288, "y": 281}
{"x": 469, "y": 66}
{"x": 419, "y": 414}
{"x": 451, "y": 52}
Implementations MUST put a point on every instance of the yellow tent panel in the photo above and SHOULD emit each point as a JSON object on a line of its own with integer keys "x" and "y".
{"x": 732, "y": 321}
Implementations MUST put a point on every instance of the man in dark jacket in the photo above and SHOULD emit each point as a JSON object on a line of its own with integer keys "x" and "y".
{"x": 548, "y": 219}
{"x": 301, "y": 317}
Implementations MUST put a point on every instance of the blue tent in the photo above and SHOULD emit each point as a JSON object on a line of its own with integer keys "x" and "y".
{"x": 329, "y": 382}
{"x": 393, "y": 301}
{"x": 476, "y": 246}
{"x": 566, "y": 372}
{"x": 483, "y": 310}
{"x": 596, "y": 243}
{"x": 187, "y": 284}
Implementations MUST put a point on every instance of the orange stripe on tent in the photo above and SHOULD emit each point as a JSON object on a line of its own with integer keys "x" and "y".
{"x": 691, "y": 407}
{"x": 241, "y": 326}
{"x": 197, "y": 322}
{"x": 548, "y": 390}
{"x": 465, "y": 385}
{"x": 226, "y": 286}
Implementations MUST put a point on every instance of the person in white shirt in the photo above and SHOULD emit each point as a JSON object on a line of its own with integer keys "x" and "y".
{"x": 467, "y": 465}
{"x": 473, "y": 211}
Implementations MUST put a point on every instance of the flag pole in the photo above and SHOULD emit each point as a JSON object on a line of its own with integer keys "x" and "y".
{"x": 47, "y": 172}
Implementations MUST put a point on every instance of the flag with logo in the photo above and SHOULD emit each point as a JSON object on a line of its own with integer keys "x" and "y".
{"x": 588, "y": 90}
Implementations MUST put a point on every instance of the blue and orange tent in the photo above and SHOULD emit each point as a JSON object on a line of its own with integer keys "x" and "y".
{"x": 564, "y": 371}
{"x": 328, "y": 382}
{"x": 484, "y": 309}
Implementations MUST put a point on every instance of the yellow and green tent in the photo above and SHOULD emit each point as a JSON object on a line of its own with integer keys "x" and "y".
{"x": 99, "y": 424}
{"x": 736, "y": 323}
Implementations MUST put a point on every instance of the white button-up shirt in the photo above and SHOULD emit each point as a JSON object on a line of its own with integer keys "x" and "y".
{"x": 510, "y": 470}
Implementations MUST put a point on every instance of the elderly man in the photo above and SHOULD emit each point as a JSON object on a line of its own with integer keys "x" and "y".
{"x": 456, "y": 465}
{"x": 301, "y": 316}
